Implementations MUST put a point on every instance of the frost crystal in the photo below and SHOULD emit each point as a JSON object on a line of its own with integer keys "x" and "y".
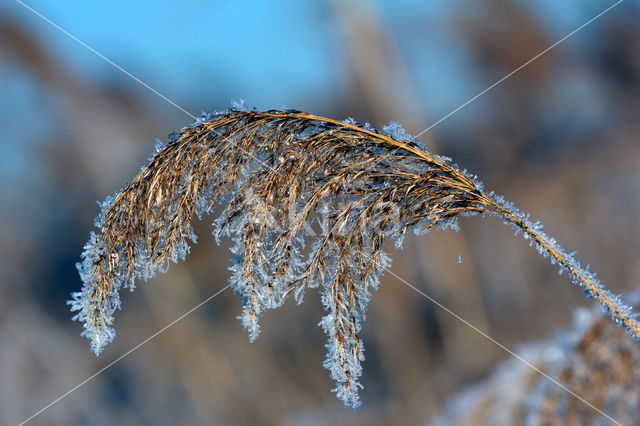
{"x": 239, "y": 105}
{"x": 396, "y": 131}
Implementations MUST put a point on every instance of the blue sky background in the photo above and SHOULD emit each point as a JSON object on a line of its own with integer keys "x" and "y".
{"x": 276, "y": 53}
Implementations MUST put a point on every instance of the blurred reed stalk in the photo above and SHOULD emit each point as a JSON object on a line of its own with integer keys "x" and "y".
{"x": 593, "y": 358}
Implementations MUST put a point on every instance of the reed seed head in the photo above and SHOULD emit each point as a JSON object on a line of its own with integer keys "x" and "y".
{"x": 308, "y": 202}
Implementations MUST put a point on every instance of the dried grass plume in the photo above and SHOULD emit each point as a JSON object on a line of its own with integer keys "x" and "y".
{"x": 308, "y": 202}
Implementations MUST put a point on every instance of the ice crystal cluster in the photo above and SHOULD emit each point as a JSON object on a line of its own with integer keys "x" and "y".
{"x": 308, "y": 202}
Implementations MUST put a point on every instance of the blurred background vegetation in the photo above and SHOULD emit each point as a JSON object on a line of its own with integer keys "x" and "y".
{"x": 561, "y": 138}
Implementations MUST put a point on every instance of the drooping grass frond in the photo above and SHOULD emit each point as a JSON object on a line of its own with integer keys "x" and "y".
{"x": 276, "y": 175}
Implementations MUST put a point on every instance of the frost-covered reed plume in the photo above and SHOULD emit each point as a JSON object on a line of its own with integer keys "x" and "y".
{"x": 308, "y": 202}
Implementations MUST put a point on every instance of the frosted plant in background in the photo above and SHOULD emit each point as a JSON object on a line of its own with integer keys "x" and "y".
{"x": 308, "y": 202}
{"x": 594, "y": 359}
